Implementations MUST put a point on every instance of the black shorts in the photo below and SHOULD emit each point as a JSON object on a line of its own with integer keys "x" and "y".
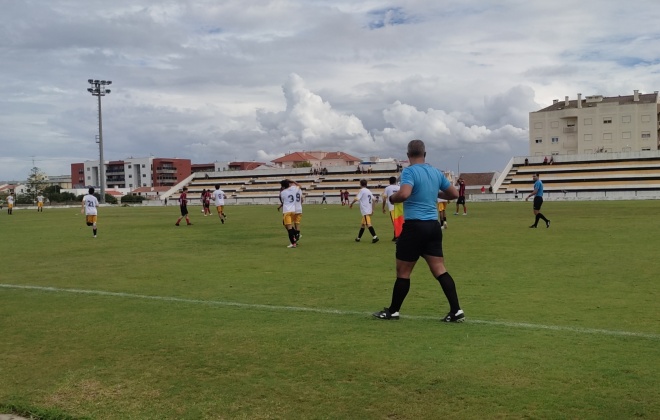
{"x": 419, "y": 237}
{"x": 461, "y": 200}
{"x": 184, "y": 210}
{"x": 538, "y": 202}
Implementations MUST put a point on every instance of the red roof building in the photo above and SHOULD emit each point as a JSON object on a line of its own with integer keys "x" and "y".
{"x": 316, "y": 159}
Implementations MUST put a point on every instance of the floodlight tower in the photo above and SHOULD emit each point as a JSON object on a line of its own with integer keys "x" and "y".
{"x": 98, "y": 89}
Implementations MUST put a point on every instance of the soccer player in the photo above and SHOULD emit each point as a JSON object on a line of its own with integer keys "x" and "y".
{"x": 461, "y": 197}
{"x": 323, "y": 200}
{"x": 10, "y": 203}
{"x": 389, "y": 190}
{"x": 207, "y": 203}
{"x": 219, "y": 197}
{"x": 366, "y": 198}
{"x": 90, "y": 205}
{"x": 442, "y": 214}
{"x": 288, "y": 206}
{"x": 183, "y": 206}
{"x": 40, "y": 203}
{"x": 201, "y": 199}
{"x": 538, "y": 202}
{"x": 421, "y": 186}
{"x": 297, "y": 218}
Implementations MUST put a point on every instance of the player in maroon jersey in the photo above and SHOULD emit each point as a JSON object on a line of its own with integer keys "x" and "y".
{"x": 183, "y": 205}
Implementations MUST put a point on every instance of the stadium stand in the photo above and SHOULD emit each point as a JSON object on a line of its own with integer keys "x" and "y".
{"x": 263, "y": 186}
{"x": 586, "y": 173}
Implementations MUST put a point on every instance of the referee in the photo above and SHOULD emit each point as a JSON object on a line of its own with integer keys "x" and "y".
{"x": 421, "y": 186}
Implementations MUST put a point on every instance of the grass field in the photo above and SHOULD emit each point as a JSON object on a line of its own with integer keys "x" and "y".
{"x": 153, "y": 321}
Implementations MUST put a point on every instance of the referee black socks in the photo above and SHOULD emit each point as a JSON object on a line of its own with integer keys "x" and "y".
{"x": 449, "y": 287}
{"x": 399, "y": 293}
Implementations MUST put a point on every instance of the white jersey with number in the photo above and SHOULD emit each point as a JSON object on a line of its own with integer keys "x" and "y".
{"x": 10, "y": 200}
{"x": 91, "y": 204}
{"x": 299, "y": 199}
{"x": 366, "y": 199}
{"x": 389, "y": 191}
{"x": 288, "y": 197}
{"x": 40, "y": 199}
{"x": 219, "y": 197}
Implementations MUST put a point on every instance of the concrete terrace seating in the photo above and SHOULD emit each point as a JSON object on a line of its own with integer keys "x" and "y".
{"x": 600, "y": 172}
{"x": 263, "y": 186}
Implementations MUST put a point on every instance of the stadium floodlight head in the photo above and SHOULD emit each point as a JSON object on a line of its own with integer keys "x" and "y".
{"x": 107, "y": 91}
{"x": 109, "y": 82}
{"x": 97, "y": 82}
{"x": 90, "y": 90}
{"x": 90, "y": 81}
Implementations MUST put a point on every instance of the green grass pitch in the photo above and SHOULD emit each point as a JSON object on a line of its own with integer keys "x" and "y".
{"x": 153, "y": 321}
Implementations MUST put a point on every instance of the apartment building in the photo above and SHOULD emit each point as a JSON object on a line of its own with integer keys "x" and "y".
{"x": 596, "y": 124}
{"x": 131, "y": 173}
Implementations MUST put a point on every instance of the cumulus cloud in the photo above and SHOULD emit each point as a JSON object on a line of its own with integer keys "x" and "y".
{"x": 443, "y": 131}
{"x": 310, "y": 123}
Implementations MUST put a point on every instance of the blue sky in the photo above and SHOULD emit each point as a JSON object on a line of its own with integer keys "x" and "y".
{"x": 252, "y": 80}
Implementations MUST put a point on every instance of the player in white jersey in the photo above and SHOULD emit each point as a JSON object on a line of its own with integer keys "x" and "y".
{"x": 40, "y": 203}
{"x": 288, "y": 206}
{"x": 389, "y": 190}
{"x": 219, "y": 197}
{"x": 89, "y": 207}
{"x": 366, "y": 199}
{"x": 10, "y": 203}
{"x": 297, "y": 218}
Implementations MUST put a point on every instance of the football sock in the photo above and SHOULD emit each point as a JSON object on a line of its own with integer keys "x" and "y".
{"x": 360, "y": 233}
{"x": 399, "y": 293}
{"x": 94, "y": 230}
{"x": 536, "y": 221}
{"x": 292, "y": 235}
{"x": 540, "y": 215}
{"x": 372, "y": 231}
{"x": 449, "y": 287}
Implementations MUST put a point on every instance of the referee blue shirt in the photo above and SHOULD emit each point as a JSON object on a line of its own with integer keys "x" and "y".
{"x": 426, "y": 181}
{"x": 538, "y": 186}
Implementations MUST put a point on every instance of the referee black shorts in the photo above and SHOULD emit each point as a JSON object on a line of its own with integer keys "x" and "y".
{"x": 461, "y": 200}
{"x": 419, "y": 237}
{"x": 538, "y": 202}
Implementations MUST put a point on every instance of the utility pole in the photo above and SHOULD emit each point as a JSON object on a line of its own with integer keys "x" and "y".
{"x": 98, "y": 89}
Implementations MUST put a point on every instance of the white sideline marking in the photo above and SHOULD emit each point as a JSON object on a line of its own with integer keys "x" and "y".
{"x": 526, "y": 325}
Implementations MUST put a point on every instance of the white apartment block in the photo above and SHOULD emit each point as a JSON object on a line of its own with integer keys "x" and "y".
{"x": 127, "y": 173}
{"x": 596, "y": 124}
